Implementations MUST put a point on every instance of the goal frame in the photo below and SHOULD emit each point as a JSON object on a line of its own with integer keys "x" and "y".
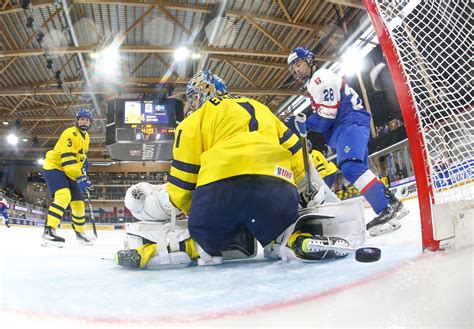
{"x": 416, "y": 139}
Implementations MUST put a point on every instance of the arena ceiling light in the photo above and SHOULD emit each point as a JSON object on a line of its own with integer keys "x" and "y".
{"x": 195, "y": 56}
{"x": 352, "y": 62}
{"x": 40, "y": 161}
{"x": 12, "y": 139}
{"x": 107, "y": 61}
{"x": 181, "y": 54}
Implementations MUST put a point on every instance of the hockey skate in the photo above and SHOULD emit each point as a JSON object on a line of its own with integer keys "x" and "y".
{"x": 387, "y": 220}
{"x": 397, "y": 204}
{"x": 51, "y": 239}
{"x": 309, "y": 249}
{"x": 7, "y": 224}
{"x": 128, "y": 258}
{"x": 83, "y": 239}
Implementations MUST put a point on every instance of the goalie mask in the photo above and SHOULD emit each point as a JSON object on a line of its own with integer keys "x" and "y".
{"x": 202, "y": 87}
{"x": 81, "y": 123}
{"x": 295, "y": 60}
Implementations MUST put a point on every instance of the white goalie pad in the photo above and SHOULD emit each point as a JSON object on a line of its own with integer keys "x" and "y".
{"x": 149, "y": 202}
{"x": 167, "y": 237}
{"x": 343, "y": 219}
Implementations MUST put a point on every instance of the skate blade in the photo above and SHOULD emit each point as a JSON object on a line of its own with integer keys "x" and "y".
{"x": 402, "y": 213}
{"x": 85, "y": 243}
{"x": 91, "y": 237}
{"x": 52, "y": 244}
{"x": 385, "y": 228}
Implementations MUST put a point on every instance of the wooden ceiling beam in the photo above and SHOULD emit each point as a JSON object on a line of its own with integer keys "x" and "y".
{"x": 284, "y": 10}
{"x": 236, "y": 69}
{"x": 27, "y": 42}
{"x": 265, "y": 32}
{"x": 18, "y": 105}
{"x": 154, "y": 49}
{"x": 45, "y": 108}
{"x": 51, "y": 136}
{"x": 197, "y": 8}
{"x": 49, "y": 118}
{"x": 45, "y": 148}
{"x": 247, "y": 61}
{"x": 21, "y": 91}
{"x": 17, "y": 8}
{"x": 349, "y": 3}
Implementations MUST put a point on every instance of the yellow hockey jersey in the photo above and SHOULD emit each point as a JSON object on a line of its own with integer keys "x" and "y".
{"x": 231, "y": 136}
{"x": 69, "y": 153}
{"x": 323, "y": 166}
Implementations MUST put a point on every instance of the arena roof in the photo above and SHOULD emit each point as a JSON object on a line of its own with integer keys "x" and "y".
{"x": 244, "y": 42}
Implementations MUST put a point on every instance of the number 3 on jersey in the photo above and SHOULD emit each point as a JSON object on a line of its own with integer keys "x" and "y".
{"x": 253, "y": 123}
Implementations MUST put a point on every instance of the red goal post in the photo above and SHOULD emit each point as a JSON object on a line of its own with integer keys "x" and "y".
{"x": 427, "y": 45}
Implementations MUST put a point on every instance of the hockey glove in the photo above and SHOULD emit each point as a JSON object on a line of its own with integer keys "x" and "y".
{"x": 311, "y": 200}
{"x": 85, "y": 167}
{"x": 300, "y": 124}
{"x": 84, "y": 183}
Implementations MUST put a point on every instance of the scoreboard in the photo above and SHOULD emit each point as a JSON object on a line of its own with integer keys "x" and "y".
{"x": 142, "y": 130}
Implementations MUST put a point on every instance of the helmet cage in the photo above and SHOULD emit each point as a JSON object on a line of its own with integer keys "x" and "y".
{"x": 205, "y": 85}
{"x": 310, "y": 61}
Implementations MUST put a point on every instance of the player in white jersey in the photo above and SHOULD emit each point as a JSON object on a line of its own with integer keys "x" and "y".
{"x": 338, "y": 113}
{"x": 4, "y": 210}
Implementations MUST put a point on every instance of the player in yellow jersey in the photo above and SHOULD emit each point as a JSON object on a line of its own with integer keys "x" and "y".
{"x": 64, "y": 170}
{"x": 326, "y": 169}
{"x": 234, "y": 164}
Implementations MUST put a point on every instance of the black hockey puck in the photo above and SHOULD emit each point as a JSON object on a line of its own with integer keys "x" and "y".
{"x": 368, "y": 254}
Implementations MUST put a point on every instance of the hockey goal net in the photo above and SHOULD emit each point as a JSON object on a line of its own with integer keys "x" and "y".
{"x": 428, "y": 47}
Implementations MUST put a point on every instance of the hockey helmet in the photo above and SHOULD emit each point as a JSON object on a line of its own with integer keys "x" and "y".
{"x": 299, "y": 54}
{"x": 83, "y": 113}
{"x": 204, "y": 85}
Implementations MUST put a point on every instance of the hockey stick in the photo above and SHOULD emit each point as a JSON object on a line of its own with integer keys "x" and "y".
{"x": 300, "y": 121}
{"x": 91, "y": 212}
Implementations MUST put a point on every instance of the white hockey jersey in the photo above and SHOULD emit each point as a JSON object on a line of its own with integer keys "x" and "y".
{"x": 335, "y": 105}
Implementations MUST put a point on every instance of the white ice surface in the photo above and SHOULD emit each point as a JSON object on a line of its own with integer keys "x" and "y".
{"x": 74, "y": 287}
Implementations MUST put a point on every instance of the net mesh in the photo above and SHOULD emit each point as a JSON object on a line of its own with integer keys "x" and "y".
{"x": 434, "y": 42}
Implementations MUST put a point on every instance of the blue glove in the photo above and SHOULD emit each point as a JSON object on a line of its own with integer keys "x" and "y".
{"x": 84, "y": 183}
{"x": 85, "y": 167}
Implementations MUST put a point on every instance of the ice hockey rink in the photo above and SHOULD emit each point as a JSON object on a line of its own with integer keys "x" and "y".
{"x": 80, "y": 287}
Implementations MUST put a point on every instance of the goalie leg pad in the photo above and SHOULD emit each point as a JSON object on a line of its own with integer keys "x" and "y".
{"x": 166, "y": 236}
{"x": 177, "y": 259}
{"x": 345, "y": 219}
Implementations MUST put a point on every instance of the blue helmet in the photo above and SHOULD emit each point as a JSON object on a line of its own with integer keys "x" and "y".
{"x": 298, "y": 54}
{"x": 205, "y": 85}
{"x": 83, "y": 113}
